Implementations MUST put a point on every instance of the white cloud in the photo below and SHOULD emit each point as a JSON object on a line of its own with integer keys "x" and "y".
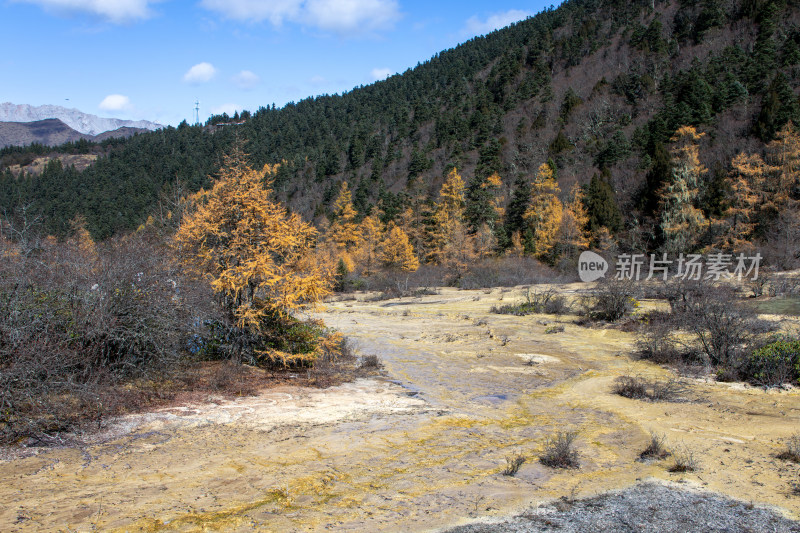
{"x": 276, "y": 11}
{"x": 115, "y": 102}
{"x": 200, "y": 73}
{"x": 246, "y": 80}
{"x": 475, "y": 26}
{"x": 117, "y": 11}
{"x": 381, "y": 73}
{"x": 341, "y": 16}
{"x": 230, "y": 109}
{"x": 318, "y": 80}
{"x": 351, "y": 15}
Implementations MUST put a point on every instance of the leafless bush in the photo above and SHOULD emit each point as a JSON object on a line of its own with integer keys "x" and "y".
{"x": 792, "y": 451}
{"x": 684, "y": 460}
{"x": 636, "y": 387}
{"x": 536, "y": 301}
{"x": 558, "y": 451}
{"x": 715, "y": 317}
{"x": 656, "y": 449}
{"x": 795, "y": 485}
{"x": 656, "y": 341}
{"x": 76, "y": 319}
{"x": 513, "y": 465}
{"x": 610, "y": 300}
{"x": 371, "y": 361}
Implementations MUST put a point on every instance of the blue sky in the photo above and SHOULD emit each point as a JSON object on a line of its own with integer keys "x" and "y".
{"x": 150, "y": 59}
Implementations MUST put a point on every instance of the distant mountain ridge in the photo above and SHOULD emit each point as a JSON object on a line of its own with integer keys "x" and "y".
{"x": 75, "y": 119}
{"x": 53, "y": 132}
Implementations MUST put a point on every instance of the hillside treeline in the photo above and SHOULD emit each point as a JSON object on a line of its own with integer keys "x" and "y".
{"x": 595, "y": 90}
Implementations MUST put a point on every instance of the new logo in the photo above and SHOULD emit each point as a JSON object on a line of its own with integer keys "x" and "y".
{"x": 591, "y": 267}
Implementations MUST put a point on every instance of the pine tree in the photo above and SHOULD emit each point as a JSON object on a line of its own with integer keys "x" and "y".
{"x": 485, "y": 241}
{"x": 482, "y": 203}
{"x": 514, "y": 219}
{"x": 601, "y": 204}
{"x": 344, "y": 231}
{"x": 784, "y": 154}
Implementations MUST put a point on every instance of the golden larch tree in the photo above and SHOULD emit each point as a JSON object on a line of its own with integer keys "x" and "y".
{"x": 682, "y": 222}
{"x": 366, "y": 254}
{"x": 543, "y": 215}
{"x": 448, "y": 219}
{"x": 572, "y": 233}
{"x": 396, "y": 252}
{"x": 783, "y": 154}
{"x": 746, "y": 181}
{"x": 344, "y": 230}
{"x": 257, "y": 257}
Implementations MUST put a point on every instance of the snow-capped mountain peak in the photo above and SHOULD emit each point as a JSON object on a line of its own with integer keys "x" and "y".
{"x": 77, "y": 120}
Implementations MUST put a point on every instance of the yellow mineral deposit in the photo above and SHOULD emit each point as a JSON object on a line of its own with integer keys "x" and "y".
{"x": 419, "y": 450}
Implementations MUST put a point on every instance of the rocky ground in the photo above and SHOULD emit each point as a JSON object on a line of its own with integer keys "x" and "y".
{"x": 423, "y": 448}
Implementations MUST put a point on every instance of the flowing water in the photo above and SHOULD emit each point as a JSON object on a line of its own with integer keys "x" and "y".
{"x": 422, "y": 449}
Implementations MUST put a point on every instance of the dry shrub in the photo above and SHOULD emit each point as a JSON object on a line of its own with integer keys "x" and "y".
{"x": 656, "y": 448}
{"x": 610, "y": 300}
{"x": 77, "y": 320}
{"x": 684, "y": 460}
{"x": 544, "y": 301}
{"x": 637, "y": 387}
{"x": 513, "y": 465}
{"x": 558, "y": 451}
{"x": 371, "y": 362}
{"x": 792, "y": 451}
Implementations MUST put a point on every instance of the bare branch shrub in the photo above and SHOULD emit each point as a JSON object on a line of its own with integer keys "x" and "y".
{"x": 541, "y": 301}
{"x": 792, "y": 451}
{"x": 610, "y": 300}
{"x": 76, "y": 318}
{"x": 637, "y": 387}
{"x": 513, "y": 465}
{"x": 684, "y": 460}
{"x": 558, "y": 451}
{"x": 656, "y": 449}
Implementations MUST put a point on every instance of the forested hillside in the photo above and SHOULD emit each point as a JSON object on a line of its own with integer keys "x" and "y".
{"x": 595, "y": 89}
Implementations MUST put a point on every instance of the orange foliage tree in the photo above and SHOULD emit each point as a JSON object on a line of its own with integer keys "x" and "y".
{"x": 448, "y": 219}
{"x": 544, "y": 211}
{"x": 682, "y": 222}
{"x": 746, "y": 180}
{"x": 257, "y": 257}
{"x": 396, "y": 251}
{"x": 572, "y": 234}
{"x": 367, "y": 253}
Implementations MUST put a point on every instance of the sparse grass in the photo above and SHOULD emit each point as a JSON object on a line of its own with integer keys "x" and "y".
{"x": 637, "y": 387}
{"x": 685, "y": 460}
{"x": 554, "y": 329}
{"x": 656, "y": 449}
{"x": 792, "y": 451}
{"x": 513, "y": 464}
{"x": 558, "y": 451}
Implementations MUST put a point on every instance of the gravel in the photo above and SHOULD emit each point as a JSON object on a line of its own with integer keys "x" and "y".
{"x": 647, "y": 508}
